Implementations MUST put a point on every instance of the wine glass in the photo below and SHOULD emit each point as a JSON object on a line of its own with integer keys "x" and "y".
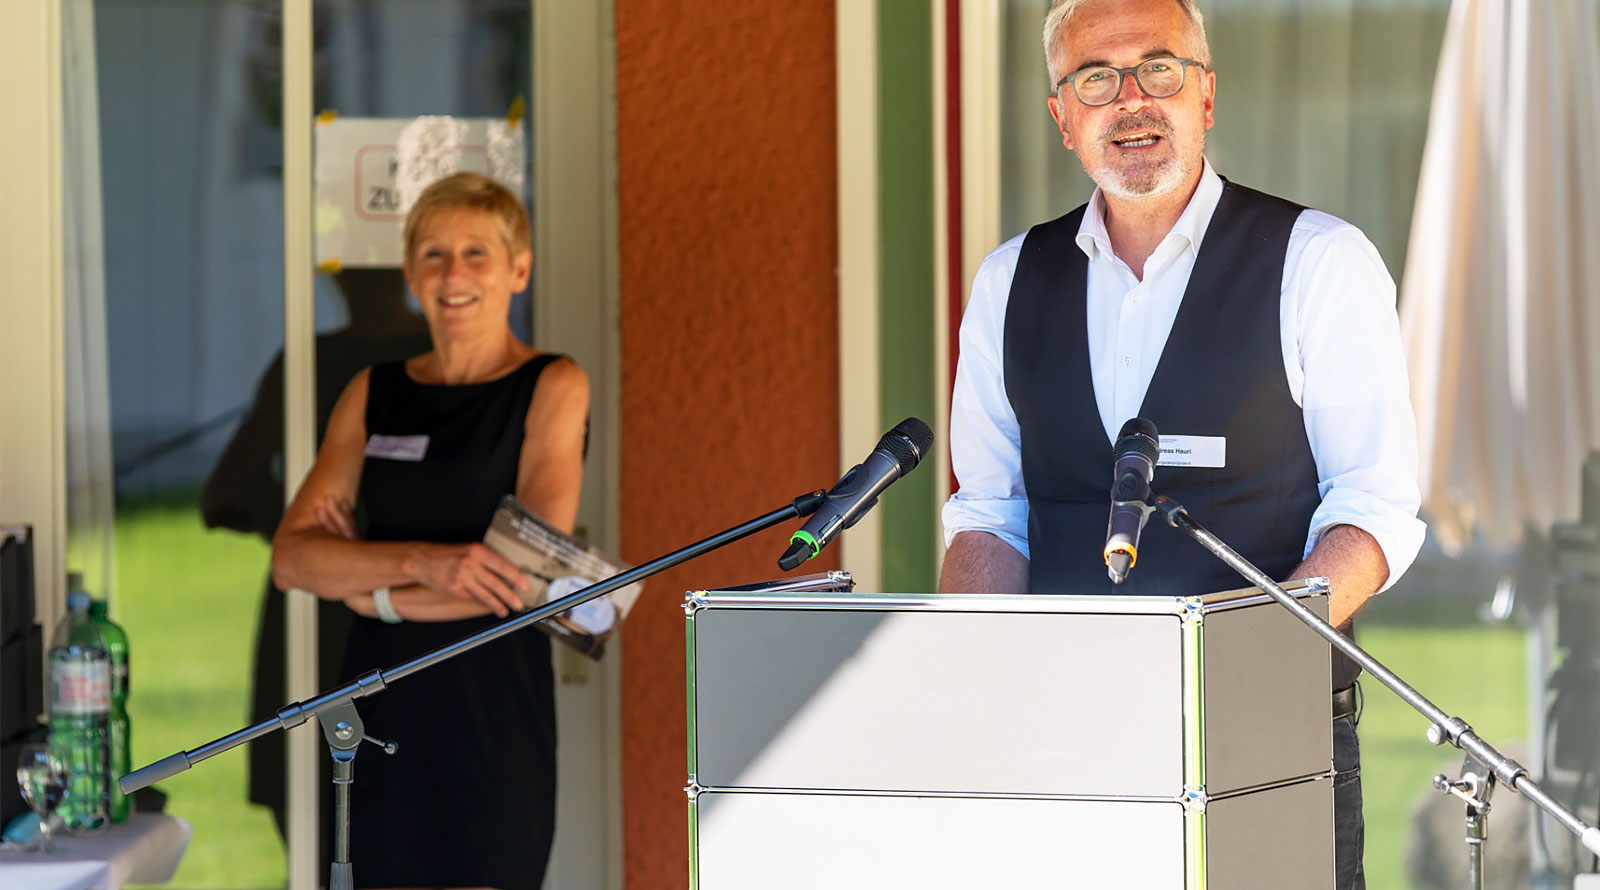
{"x": 42, "y": 776}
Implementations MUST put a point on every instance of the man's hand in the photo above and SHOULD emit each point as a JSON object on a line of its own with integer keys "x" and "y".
{"x": 978, "y": 562}
{"x": 1353, "y": 561}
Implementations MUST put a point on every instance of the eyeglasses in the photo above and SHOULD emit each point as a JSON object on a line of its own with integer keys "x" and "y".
{"x": 1101, "y": 84}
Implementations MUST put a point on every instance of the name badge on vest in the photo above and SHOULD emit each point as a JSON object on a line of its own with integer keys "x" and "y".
{"x": 410, "y": 448}
{"x": 1193, "y": 451}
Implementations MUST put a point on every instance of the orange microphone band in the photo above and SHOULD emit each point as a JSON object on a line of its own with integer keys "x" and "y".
{"x": 1133, "y": 555}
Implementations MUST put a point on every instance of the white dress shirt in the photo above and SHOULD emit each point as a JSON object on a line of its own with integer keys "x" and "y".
{"x": 1341, "y": 355}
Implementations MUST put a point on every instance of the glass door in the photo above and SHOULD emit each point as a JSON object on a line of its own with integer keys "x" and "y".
{"x": 176, "y": 409}
{"x": 174, "y": 309}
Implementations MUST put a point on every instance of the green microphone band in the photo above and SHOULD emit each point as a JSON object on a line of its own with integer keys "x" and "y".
{"x": 806, "y": 538}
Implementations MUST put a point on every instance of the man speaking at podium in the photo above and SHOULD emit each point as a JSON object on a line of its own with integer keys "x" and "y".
{"x": 1259, "y": 336}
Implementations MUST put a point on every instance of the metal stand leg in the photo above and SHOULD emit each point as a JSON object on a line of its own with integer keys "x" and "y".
{"x": 342, "y": 727}
{"x": 1474, "y": 788}
{"x": 340, "y": 874}
{"x": 1477, "y": 835}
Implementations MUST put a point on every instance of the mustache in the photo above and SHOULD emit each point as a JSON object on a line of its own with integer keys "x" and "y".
{"x": 1139, "y": 121}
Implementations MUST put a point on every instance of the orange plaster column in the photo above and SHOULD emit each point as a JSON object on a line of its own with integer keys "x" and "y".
{"x": 728, "y": 242}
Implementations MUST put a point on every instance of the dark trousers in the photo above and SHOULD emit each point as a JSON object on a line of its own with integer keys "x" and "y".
{"x": 1348, "y": 825}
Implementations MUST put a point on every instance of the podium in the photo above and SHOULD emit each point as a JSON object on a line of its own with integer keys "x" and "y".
{"x": 878, "y": 741}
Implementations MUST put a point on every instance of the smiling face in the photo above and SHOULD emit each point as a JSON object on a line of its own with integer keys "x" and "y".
{"x": 1136, "y": 147}
{"x": 464, "y": 274}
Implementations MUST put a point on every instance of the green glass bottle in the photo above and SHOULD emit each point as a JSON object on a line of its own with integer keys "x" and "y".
{"x": 80, "y": 712}
{"x": 116, "y": 641}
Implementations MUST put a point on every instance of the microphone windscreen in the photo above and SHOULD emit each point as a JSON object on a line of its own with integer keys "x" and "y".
{"x": 1138, "y": 436}
{"x": 908, "y": 442}
{"x": 1140, "y": 426}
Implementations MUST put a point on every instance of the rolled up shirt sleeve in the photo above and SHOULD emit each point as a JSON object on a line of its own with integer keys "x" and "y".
{"x": 985, "y": 444}
{"x": 1353, "y": 390}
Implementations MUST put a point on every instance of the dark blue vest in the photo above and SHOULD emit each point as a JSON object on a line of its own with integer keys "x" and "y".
{"x": 1220, "y": 374}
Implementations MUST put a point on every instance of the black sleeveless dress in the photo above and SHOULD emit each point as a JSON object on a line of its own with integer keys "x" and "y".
{"x": 469, "y": 799}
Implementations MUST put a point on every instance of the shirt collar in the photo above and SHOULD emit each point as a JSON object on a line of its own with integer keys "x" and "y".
{"x": 1095, "y": 241}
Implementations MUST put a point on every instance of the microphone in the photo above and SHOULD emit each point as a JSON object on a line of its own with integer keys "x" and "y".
{"x": 856, "y": 492}
{"x": 1134, "y": 464}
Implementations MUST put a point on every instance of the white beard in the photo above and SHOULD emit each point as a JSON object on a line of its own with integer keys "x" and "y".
{"x": 1167, "y": 178}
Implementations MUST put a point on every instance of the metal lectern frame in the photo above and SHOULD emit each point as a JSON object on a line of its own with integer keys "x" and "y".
{"x": 1190, "y": 612}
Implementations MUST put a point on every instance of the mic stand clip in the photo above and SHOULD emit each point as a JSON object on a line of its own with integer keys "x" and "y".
{"x": 1476, "y": 784}
{"x": 1131, "y": 490}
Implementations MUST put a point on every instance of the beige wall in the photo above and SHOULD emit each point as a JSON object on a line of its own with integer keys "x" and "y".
{"x": 32, "y": 455}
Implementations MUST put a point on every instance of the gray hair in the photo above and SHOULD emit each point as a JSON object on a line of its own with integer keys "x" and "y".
{"x": 1061, "y": 12}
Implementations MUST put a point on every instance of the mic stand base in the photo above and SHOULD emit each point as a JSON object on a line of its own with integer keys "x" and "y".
{"x": 1481, "y": 756}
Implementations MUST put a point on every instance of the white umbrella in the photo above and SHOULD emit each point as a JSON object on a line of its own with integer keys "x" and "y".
{"x": 1500, "y": 300}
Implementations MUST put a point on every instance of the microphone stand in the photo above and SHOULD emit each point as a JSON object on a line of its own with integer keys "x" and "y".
{"x": 1483, "y": 766}
{"x": 335, "y": 709}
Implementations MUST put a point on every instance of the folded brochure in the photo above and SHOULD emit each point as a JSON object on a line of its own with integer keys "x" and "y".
{"x": 556, "y": 565}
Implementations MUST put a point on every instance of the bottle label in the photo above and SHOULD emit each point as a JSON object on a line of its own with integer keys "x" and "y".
{"x": 81, "y": 687}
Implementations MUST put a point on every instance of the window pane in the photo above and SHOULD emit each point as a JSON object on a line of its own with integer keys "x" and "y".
{"x": 174, "y": 301}
{"x": 402, "y": 59}
{"x": 174, "y": 318}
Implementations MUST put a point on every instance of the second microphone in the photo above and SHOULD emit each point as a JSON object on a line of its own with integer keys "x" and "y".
{"x": 856, "y": 492}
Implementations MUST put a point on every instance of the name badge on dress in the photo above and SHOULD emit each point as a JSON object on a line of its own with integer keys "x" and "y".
{"x": 397, "y": 447}
{"x": 1193, "y": 451}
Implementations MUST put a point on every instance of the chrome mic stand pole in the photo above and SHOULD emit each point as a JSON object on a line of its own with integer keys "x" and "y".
{"x": 336, "y": 710}
{"x": 1484, "y": 765}
{"x": 343, "y": 729}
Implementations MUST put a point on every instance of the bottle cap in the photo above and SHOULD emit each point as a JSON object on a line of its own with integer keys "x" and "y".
{"x": 78, "y": 601}
{"x": 74, "y": 580}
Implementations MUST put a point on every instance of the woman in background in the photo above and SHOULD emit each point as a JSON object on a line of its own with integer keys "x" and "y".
{"x": 428, "y": 446}
{"x": 244, "y": 492}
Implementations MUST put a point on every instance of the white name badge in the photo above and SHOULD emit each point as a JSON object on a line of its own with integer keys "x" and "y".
{"x": 1193, "y": 451}
{"x": 397, "y": 447}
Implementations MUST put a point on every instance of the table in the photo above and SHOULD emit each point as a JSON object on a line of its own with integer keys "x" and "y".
{"x": 143, "y": 850}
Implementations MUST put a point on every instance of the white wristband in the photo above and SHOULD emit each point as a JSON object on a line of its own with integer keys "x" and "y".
{"x": 386, "y": 612}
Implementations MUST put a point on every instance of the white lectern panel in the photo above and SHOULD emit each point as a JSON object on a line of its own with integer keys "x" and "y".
{"x": 1043, "y": 703}
{"x": 804, "y": 841}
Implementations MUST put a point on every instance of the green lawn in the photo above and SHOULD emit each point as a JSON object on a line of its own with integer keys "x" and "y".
{"x": 188, "y": 599}
{"x": 1476, "y": 673}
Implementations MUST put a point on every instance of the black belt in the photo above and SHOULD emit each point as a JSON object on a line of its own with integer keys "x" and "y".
{"x": 1344, "y": 702}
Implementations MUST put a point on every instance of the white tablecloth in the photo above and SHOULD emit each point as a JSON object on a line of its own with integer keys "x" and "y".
{"x": 143, "y": 850}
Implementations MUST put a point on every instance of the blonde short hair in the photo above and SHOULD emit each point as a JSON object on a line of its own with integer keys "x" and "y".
{"x": 471, "y": 191}
{"x": 1061, "y": 12}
